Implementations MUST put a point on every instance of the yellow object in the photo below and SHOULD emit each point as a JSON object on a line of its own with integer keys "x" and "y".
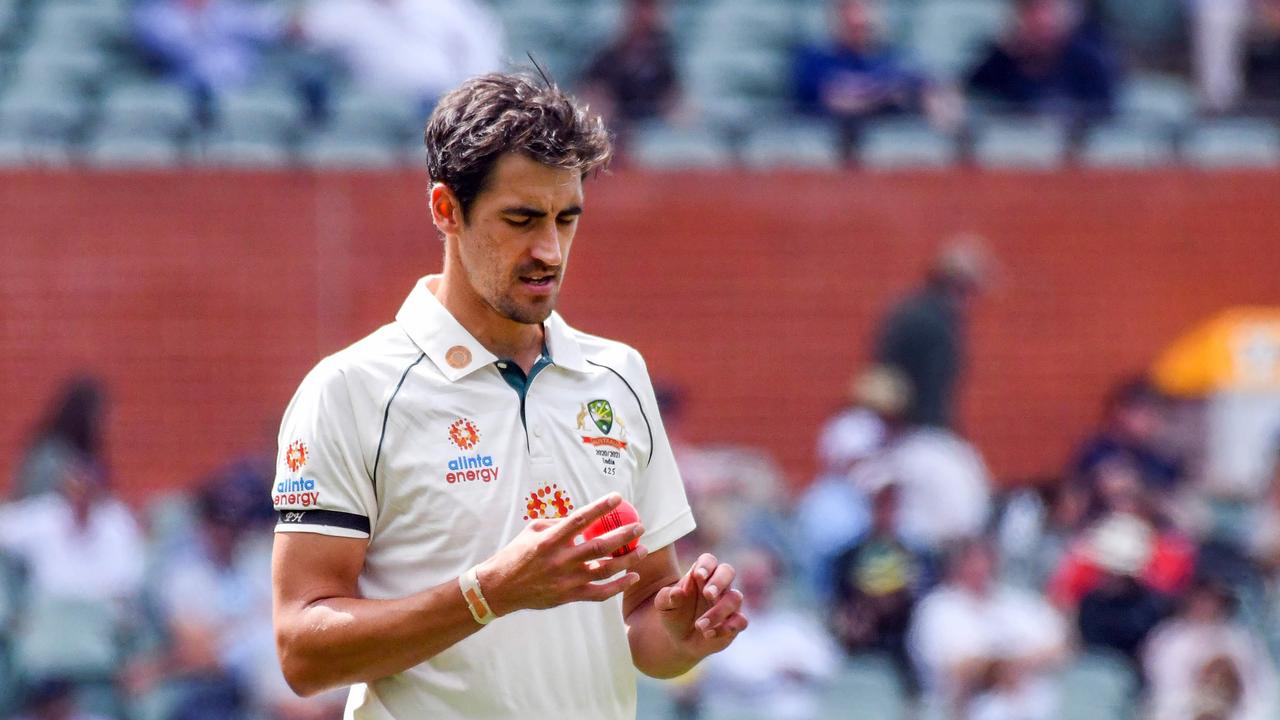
{"x": 1239, "y": 349}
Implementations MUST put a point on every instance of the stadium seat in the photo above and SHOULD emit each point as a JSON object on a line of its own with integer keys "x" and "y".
{"x": 796, "y": 144}
{"x": 232, "y": 153}
{"x": 263, "y": 113}
{"x": 866, "y": 687}
{"x": 949, "y": 35}
{"x": 77, "y": 69}
{"x": 1242, "y": 143}
{"x": 663, "y": 147}
{"x": 150, "y": 106}
{"x": 41, "y": 111}
{"x": 906, "y": 144}
{"x": 1032, "y": 144}
{"x": 133, "y": 152}
{"x": 77, "y": 24}
{"x": 22, "y": 152}
{"x": 345, "y": 154}
{"x": 1098, "y": 686}
{"x": 359, "y": 113}
{"x": 69, "y": 637}
{"x": 1156, "y": 98}
{"x": 1127, "y": 145}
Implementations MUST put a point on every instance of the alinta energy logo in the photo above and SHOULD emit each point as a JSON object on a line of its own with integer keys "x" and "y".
{"x": 465, "y": 435}
{"x": 296, "y": 491}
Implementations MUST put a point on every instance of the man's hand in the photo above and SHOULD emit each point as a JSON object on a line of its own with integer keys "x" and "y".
{"x": 701, "y": 611}
{"x": 542, "y": 568}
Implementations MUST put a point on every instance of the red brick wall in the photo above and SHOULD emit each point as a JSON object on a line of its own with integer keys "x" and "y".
{"x": 202, "y": 298}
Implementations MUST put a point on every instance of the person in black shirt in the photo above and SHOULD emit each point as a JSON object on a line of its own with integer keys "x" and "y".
{"x": 634, "y": 78}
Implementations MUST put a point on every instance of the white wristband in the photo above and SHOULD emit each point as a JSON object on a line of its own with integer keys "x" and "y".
{"x": 476, "y": 603}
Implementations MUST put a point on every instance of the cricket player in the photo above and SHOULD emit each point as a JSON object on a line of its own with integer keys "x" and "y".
{"x": 435, "y": 478}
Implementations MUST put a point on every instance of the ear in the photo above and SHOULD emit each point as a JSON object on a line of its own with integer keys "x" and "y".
{"x": 446, "y": 212}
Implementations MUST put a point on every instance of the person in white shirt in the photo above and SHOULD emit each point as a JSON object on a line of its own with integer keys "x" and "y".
{"x": 417, "y": 48}
{"x": 780, "y": 669}
{"x": 433, "y": 478}
{"x": 987, "y": 652}
{"x": 1204, "y": 663}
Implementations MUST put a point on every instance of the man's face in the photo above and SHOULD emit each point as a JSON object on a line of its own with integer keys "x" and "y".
{"x": 514, "y": 245}
{"x": 858, "y": 24}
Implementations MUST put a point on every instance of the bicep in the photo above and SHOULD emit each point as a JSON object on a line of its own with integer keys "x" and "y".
{"x": 308, "y": 567}
{"x": 660, "y": 569}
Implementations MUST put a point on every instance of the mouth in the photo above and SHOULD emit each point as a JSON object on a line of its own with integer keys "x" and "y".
{"x": 539, "y": 282}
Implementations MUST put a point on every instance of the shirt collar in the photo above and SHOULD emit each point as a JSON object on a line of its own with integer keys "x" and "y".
{"x": 455, "y": 351}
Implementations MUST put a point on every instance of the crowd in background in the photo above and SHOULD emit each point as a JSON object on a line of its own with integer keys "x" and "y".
{"x": 975, "y": 597}
{"x": 1059, "y": 59}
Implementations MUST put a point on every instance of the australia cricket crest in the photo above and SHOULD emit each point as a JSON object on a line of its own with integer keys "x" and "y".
{"x": 609, "y": 448}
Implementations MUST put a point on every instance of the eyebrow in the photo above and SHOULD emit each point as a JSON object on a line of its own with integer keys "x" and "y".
{"x": 530, "y": 212}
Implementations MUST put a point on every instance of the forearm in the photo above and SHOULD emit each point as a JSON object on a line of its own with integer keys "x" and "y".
{"x": 653, "y": 651}
{"x": 338, "y": 641}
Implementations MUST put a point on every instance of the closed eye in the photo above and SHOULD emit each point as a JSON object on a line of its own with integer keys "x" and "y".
{"x": 520, "y": 222}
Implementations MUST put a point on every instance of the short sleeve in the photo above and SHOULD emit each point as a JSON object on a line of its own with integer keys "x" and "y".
{"x": 322, "y": 483}
{"x": 660, "y": 497}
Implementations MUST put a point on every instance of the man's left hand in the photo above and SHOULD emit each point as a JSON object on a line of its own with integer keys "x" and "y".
{"x": 702, "y": 611}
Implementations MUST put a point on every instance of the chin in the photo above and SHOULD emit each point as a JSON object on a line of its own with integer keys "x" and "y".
{"x": 529, "y": 313}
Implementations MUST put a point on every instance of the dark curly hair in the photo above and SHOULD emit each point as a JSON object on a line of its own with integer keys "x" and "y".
{"x": 493, "y": 114}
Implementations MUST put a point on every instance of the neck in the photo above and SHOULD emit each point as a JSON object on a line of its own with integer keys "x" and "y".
{"x": 499, "y": 334}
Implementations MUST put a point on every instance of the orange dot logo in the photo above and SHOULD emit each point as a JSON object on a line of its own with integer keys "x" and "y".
{"x": 464, "y": 434}
{"x": 458, "y": 357}
{"x": 548, "y": 502}
{"x": 296, "y": 456}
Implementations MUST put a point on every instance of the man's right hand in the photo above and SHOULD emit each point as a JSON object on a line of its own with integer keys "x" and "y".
{"x": 542, "y": 568}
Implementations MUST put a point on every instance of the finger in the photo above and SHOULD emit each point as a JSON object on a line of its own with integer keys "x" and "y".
{"x": 596, "y": 592}
{"x": 671, "y": 598}
{"x": 728, "y": 604}
{"x": 703, "y": 567}
{"x": 602, "y": 546}
{"x": 721, "y": 580}
{"x": 582, "y": 517}
{"x": 735, "y": 624}
{"x": 607, "y": 568}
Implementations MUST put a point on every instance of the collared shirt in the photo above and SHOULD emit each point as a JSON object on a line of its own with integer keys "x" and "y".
{"x": 439, "y": 453}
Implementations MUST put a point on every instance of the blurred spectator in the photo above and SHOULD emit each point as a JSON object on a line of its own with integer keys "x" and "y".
{"x": 833, "y": 510}
{"x": 1203, "y": 664}
{"x": 1036, "y": 526}
{"x": 878, "y": 579}
{"x": 54, "y": 699}
{"x": 77, "y": 542}
{"x": 778, "y": 668}
{"x": 1264, "y": 56}
{"x": 1133, "y": 432}
{"x": 1121, "y": 610}
{"x": 1218, "y": 30}
{"x": 924, "y": 335}
{"x": 70, "y": 434}
{"x": 215, "y": 597}
{"x": 1048, "y": 65}
{"x": 987, "y": 652}
{"x": 415, "y": 48}
{"x": 858, "y": 76}
{"x": 207, "y": 45}
{"x": 634, "y": 77}
{"x": 946, "y": 488}
{"x": 1168, "y": 563}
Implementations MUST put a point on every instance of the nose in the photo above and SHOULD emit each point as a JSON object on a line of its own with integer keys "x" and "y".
{"x": 546, "y": 246}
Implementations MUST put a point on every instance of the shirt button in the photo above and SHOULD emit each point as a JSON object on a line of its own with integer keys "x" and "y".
{"x": 502, "y": 365}
{"x": 537, "y": 431}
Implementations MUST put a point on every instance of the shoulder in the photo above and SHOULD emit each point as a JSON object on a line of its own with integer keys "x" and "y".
{"x": 611, "y": 355}
{"x": 366, "y": 365}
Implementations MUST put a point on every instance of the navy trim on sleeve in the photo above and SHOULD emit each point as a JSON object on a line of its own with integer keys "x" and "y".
{"x": 331, "y": 518}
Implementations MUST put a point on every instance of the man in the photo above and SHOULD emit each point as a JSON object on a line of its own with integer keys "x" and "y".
{"x": 1049, "y": 64}
{"x": 434, "y": 476}
{"x": 923, "y": 335}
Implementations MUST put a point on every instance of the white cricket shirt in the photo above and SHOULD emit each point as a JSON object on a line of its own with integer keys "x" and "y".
{"x": 439, "y": 453}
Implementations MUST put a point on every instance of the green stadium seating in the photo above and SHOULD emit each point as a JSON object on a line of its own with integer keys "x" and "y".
{"x": 1156, "y": 98}
{"x": 38, "y": 110}
{"x": 148, "y": 106}
{"x": 1098, "y": 686}
{"x": 1030, "y": 144}
{"x": 319, "y": 152}
{"x": 906, "y": 144}
{"x": 133, "y": 152}
{"x": 949, "y": 36}
{"x": 794, "y": 144}
{"x": 1127, "y": 145}
{"x": 866, "y": 687}
{"x": 666, "y": 148}
{"x": 67, "y": 637}
{"x": 225, "y": 152}
{"x": 260, "y": 113}
{"x": 359, "y": 113}
{"x": 1240, "y": 143}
